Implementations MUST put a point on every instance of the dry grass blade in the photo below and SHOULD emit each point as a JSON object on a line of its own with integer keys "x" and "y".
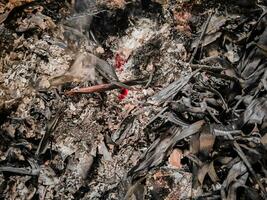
{"x": 48, "y": 131}
{"x": 161, "y": 147}
{"x": 169, "y": 92}
{"x": 248, "y": 165}
{"x": 200, "y": 38}
{"x": 21, "y": 171}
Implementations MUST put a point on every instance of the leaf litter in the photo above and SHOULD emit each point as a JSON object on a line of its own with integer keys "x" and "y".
{"x": 133, "y": 100}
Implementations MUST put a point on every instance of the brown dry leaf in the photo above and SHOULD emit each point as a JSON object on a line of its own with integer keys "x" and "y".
{"x": 103, "y": 150}
{"x": 82, "y": 69}
{"x": 175, "y": 158}
{"x": 7, "y": 104}
{"x": 194, "y": 144}
{"x": 118, "y": 3}
{"x": 212, "y": 173}
{"x": 182, "y": 17}
{"x": 158, "y": 174}
{"x": 2, "y": 7}
{"x": 84, "y": 165}
{"x": 236, "y": 171}
{"x": 213, "y": 31}
{"x": 206, "y": 142}
{"x": 202, "y": 172}
{"x": 4, "y": 16}
{"x": 216, "y": 23}
{"x": 264, "y": 140}
{"x": 162, "y": 2}
{"x": 169, "y": 184}
{"x": 182, "y": 21}
{"x": 114, "y": 4}
{"x": 17, "y": 3}
{"x": 37, "y": 20}
{"x": 10, "y": 6}
{"x": 160, "y": 148}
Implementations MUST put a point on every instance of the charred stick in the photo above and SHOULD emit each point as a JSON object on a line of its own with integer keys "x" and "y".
{"x": 104, "y": 87}
{"x": 206, "y": 68}
{"x": 50, "y": 127}
{"x": 242, "y": 155}
{"x": 201, "y": 67}
{"x": 18, "y": 170}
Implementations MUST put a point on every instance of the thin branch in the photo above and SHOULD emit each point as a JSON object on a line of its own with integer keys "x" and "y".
{"x": 104, "y": 87}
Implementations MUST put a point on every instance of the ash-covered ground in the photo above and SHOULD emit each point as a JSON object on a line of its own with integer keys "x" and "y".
{"x": 122, "y": 143}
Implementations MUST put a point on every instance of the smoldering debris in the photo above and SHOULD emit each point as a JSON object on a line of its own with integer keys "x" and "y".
{"x": 114, "y": 99}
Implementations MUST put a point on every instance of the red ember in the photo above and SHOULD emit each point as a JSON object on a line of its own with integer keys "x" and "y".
{"x": 119, "y": 61}
{"x": 123, "y": 94}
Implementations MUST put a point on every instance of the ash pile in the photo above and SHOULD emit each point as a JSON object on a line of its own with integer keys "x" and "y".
{"x": 144, "y": 99}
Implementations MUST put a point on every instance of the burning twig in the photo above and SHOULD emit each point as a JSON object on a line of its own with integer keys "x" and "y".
{"x": 104, "y": 87}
